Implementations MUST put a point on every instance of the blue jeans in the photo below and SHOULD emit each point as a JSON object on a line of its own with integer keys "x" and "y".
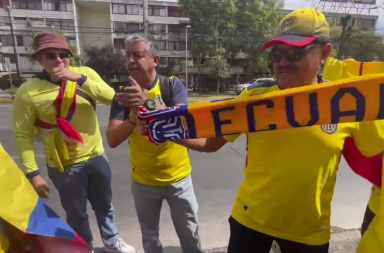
{"x": 183, "y": 204}
{"x": 89, "y": 180}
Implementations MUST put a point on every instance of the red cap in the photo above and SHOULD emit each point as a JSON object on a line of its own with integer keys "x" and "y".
{"x": 49, "y": 40}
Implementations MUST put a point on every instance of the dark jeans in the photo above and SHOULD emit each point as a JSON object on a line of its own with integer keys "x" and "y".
{"x": 243, "y": 239}
{"x": 368, "y": 218}
{"x": 89, "y": 180}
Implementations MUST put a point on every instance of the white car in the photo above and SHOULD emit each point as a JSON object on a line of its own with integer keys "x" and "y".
{"x": 240, "y": 87}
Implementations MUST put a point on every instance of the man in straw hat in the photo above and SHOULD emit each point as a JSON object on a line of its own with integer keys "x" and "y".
{"x": 289, "y": 175}
{"x": 58, "y": 106}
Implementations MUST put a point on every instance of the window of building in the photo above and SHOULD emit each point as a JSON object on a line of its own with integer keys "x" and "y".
{"x": 163, "y": 61}
{"x": 118, "y": 44}
{"x": 174, "y": 11}
{"x": 4, "y": 3}
{"x": 157, "y": 11}
{"x": 176, "y": 45}
{"x": 120, "y": 26}
{"x": 58, "y": 6}
{"x": 62, "y": 24}
{"x": 12, "y": 57}
{"x": 365, "y": 23}
{"x": 132, "y": 9}
{"x": 27, "y": 41}
{"x": 27, "y": 4}
{"x": 19, "y": 41}
{"x": 6, "y": 40}
{"x": 159, "y": 27}
{"x": 179, "y": 28}
{"x": 161, "y": 45}
{"x": 174, "y": 60}
{"x": 67, "y": 24}
{"x": 134, "y": 27}
{"x": 118, "y": 8}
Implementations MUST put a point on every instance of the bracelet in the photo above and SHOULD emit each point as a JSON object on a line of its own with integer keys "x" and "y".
{"x": 131, "y": 122}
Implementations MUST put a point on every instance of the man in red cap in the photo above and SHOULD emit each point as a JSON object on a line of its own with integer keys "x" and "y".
{"x": 57, "y": 106}
{"x": 289, "y": 175}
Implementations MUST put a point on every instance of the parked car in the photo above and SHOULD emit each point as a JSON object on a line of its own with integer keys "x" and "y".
{"x": 240, "y": 87}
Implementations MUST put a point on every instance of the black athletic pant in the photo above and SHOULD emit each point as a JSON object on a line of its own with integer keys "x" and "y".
{"x": 368, "y": 218}
{"x": 245, "y": 240}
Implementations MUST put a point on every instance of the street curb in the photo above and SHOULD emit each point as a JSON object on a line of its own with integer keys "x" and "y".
{"x": 341, "y": 242}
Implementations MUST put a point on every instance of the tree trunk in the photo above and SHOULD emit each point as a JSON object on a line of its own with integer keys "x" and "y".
{"x": 218, "y": 87}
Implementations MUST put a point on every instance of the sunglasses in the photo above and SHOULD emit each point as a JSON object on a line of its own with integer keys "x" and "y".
{"x": 293, "y": 54}
{"x": 53, "y": 56}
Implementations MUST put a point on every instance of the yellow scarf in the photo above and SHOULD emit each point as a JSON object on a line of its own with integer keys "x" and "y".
{"x": 342, "y": 101}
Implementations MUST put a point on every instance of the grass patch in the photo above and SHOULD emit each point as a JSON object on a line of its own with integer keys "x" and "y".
{"x": 340, "y": 230}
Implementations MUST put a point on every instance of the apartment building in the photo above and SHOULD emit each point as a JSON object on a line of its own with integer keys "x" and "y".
{"x": 96, "y": 23}
{"x": 28, "y": 18}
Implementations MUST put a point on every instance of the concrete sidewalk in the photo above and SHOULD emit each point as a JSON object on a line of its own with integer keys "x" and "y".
{"x": 341, "y": 242}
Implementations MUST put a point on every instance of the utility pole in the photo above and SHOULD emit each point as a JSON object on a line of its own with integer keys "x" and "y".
{"x": 145, "y": 16}
{"x": 345, "y": 35}
{"x": 8, "y": 8}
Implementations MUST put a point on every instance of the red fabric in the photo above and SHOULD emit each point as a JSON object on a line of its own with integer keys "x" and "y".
{"x": 62, "y": 123}
{"x": 368, "y": 168}
{"x": 302, "y": 43}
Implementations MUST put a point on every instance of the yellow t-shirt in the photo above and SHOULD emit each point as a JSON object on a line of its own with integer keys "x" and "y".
{"x": 34, "y": 100}
{"x": 157, "y": 165}
{"x": 290, "y": 176}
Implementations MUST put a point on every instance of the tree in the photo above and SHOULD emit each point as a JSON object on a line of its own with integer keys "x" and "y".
{"x": 362, "y": 45}
{"x": 219, "y": 69}
{"x": 106, "y": 61}
{"x": 210, "y": 19}
{"x": 231, "y": 27}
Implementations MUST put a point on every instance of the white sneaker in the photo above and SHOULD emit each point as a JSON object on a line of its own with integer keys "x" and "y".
{"x": 120, "y": 247}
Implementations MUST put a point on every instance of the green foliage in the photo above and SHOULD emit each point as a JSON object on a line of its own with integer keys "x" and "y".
{"x": 227, "y": 28}
{"x": 165, "y": 71}
{"x": 362, "y": 45}
{"x": 106, "y": 60}
{"x": 219, "y": 67}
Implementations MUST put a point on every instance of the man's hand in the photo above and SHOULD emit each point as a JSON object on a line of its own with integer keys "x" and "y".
{"x": 143, "y": 126}
{"x": 132, "y": 96}
{"x": 40, "y": 186}
{"x": 61, "y": 73}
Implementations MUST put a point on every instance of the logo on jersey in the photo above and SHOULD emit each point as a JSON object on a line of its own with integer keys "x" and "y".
{"x": 329, "y": 128}
{"x": 287, "y": 23}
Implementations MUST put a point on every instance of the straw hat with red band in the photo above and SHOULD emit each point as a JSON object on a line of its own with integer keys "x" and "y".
{"x": 300, "y": 28}
{"x": 49, "y": 40}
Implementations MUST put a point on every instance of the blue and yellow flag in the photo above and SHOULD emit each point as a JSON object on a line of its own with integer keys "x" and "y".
{"x": 23, "y": 210}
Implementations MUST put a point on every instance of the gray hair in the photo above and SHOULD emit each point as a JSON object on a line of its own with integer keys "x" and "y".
{"x": 149, "y": 40}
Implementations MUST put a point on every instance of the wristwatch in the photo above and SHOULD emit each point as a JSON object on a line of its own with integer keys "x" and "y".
{"x": 150, "y": 104}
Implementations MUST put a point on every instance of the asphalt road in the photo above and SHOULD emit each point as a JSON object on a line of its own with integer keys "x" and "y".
{"x": 216, "y": 180}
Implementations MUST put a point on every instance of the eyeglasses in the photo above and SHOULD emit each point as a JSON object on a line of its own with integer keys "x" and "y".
{"x": 293, "y": 54}
{"x": 53, "y": 56}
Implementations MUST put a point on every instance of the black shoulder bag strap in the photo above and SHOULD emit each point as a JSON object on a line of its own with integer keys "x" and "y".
{"x": 166, "y": 90}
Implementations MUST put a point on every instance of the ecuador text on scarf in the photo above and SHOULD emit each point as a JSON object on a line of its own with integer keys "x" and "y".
{"x": 341, "y": 101}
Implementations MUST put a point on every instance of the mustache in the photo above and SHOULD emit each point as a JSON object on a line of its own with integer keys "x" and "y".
{"x": 286, "y": 68}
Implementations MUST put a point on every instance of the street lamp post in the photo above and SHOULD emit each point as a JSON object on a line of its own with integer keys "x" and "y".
{"x": 186, "y": 56}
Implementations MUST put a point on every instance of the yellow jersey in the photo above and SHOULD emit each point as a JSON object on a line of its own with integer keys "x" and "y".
{"x": 290, "y": 175}
{"x": 151, "y": 164}
{"x": 34, "y": 100}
